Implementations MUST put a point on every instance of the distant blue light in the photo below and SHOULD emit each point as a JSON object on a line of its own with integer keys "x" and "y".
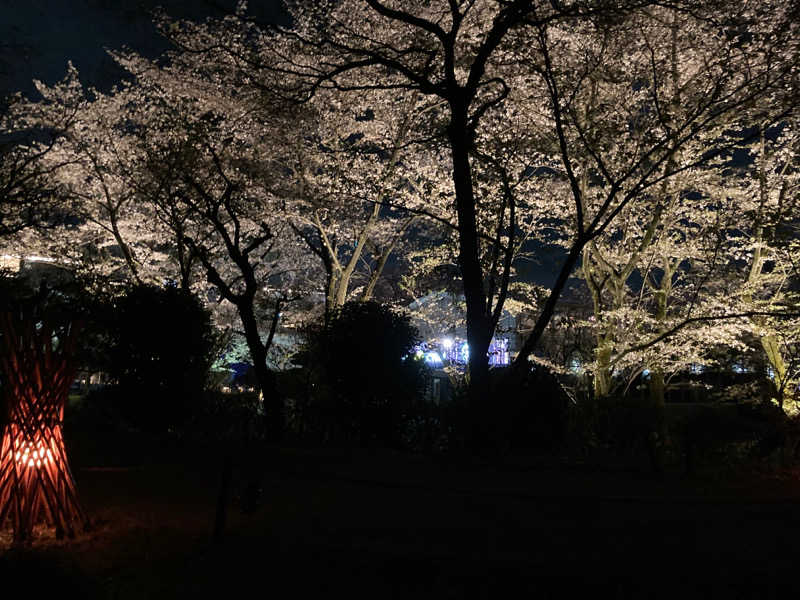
{"x": 433, "y": 359}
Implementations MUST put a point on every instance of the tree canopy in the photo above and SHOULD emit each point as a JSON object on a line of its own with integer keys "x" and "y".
{"x": 282, "y": 170}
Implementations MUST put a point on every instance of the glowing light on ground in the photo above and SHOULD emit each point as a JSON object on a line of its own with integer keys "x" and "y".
{"x": 35, "y": 479}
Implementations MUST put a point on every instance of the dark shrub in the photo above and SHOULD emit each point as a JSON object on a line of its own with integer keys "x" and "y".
{"x": 161, "y": 350}
{"x": 734, "y": 432}
{"x": 368, "y": 379}
{"x": 624, "y": 423}
{"x": 529, "y": 409}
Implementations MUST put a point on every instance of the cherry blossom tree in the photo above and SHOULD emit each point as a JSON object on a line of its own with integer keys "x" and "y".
{"x": 28, "y": 195}
{"x": 357, "y": 182}
{"x": 500, "y": 121}
{"x": 536, "y": 63}
{"x": 358, "y": 202}
{"x": 217, "y": 178}
{"x": 766, "y": 193}
{"x": 93, "y": 165}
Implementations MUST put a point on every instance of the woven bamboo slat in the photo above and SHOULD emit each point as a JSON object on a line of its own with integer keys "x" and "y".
{"x": 36, "y": 484}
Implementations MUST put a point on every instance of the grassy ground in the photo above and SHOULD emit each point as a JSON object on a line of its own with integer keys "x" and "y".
{"x": 387, "y": 525}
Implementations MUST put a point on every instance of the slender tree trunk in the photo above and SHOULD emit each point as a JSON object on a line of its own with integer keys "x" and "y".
{"x": 775, "y": 358}
{"x": 602, "y": 374}
{"x": 530, "y": 343}
{"x": 330, "y": 293}
{"x": 384, "y": 258}
{"x": 658, "y": 436}
{"x": 126, "y": 251}
{"x": 657, "y": 383}
{"x": 184, "y": 258}
{"x": 657, "y": 388}
{"x": 361, "y": 241}
{"x": 769, "y": 341}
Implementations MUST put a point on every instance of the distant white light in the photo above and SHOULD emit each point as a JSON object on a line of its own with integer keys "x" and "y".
{"x": 447, "y": 343}
{"x": 40, "y": 259}
{"x": 32, "y": 258}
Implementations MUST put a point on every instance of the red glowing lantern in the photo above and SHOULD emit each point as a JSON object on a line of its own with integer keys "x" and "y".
{"x": 36, "y": 483}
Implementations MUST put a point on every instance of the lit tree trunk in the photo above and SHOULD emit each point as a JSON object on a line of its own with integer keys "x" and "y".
{"x": 35, "y": 479}
{"x": 772, "y": 349}
{"x": 755, "y": 279}
{"x": 662, "y": 291}
{"x": 664, "y": 288}
{"x": 350, "y": 267}
{"x": 602, "y": 374}
{"x": 383, "y": 259}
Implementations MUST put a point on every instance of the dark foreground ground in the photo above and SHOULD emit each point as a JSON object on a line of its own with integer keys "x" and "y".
{"x": 390, "y": 526}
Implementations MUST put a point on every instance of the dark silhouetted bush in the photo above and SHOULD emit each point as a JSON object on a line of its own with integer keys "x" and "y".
{"x": 529, "y": 409}
{"x": 367, "y": 379}
{"x": 736, "y": 432}
{"x": 161, "y": 349}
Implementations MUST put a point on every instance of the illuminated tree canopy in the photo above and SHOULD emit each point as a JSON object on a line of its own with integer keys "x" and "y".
{"x": 286, "y": 169}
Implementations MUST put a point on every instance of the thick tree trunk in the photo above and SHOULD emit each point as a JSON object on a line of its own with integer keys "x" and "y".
{"x": 267, "y": 382}
{"x": 478, "y": 322}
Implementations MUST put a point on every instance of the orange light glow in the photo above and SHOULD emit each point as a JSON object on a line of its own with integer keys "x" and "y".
{"x": 36, "y": 485}
{"x": 38, "y": 456}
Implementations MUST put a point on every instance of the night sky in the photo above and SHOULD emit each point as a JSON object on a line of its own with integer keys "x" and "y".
{"x": 38, "y": 37}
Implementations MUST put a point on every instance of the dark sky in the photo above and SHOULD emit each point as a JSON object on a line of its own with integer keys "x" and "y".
{"x": 38, "y": 37}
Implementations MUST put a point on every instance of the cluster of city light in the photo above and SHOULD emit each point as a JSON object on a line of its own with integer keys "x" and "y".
{"x": 454, "y": 352}
{"x": 434, "y": 359}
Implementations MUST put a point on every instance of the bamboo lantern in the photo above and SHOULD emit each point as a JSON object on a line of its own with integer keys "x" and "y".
{"x": 36, "y": 484}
